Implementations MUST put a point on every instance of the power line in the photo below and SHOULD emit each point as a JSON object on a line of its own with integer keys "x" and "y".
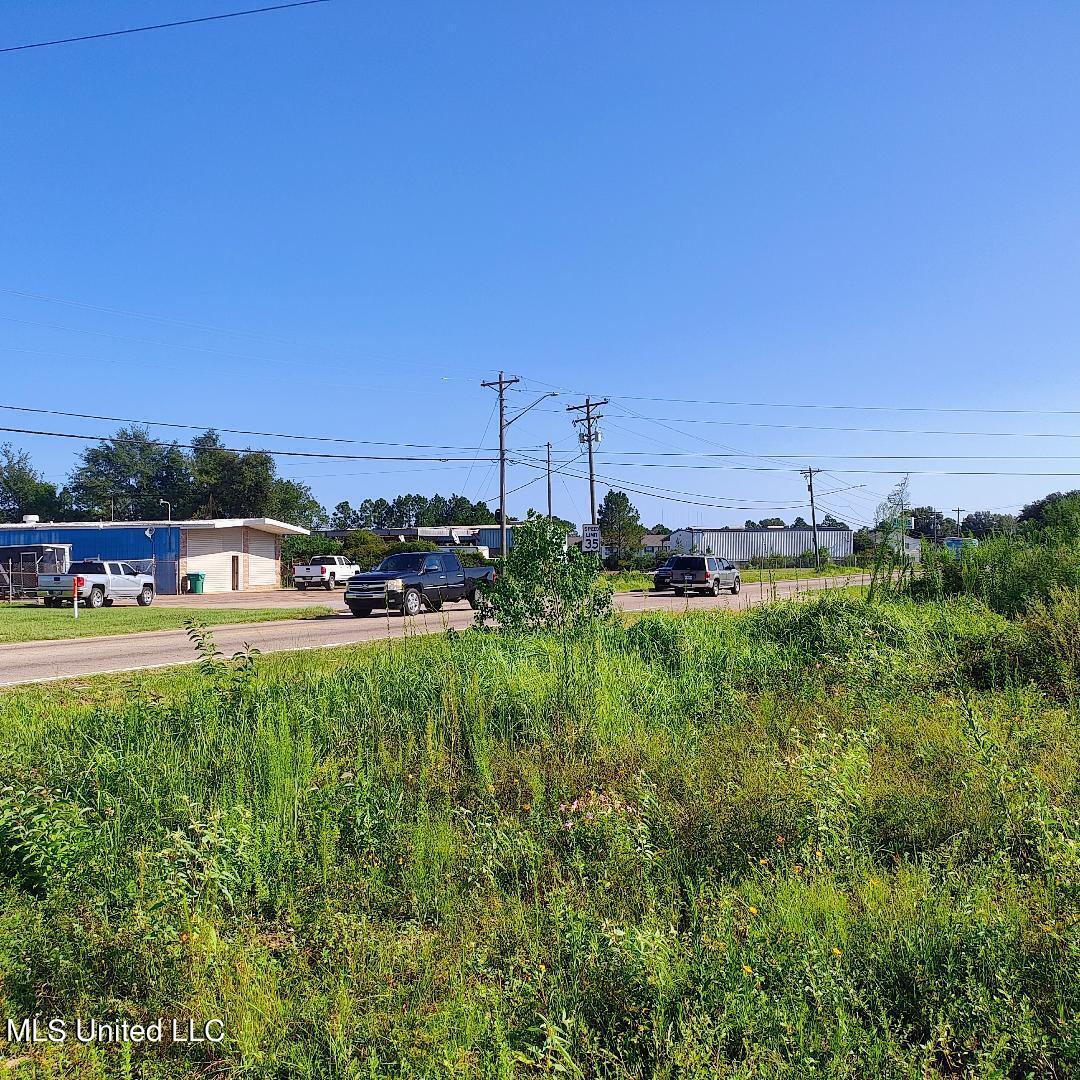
{"x": 250, "y": 450}
{"x": 872, "y": 430}
{"x": 238, "y": 431}
{"x": 162, "y": 26}
{"x": 854, "y": 408}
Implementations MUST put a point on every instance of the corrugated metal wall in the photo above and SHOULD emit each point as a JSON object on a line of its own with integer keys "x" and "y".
{"x": 489, "y": 537}
{"x": 742, "y": 545}
{"x": 111, "y": 543}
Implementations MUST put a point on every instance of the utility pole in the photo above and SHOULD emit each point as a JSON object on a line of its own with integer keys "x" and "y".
{"x": 549, "y": 479}
{"x": 959, "y": 511}
{"x": 502, "y": 384}
{"x": 809, "y": 474}
{"x": 589, "y": 436}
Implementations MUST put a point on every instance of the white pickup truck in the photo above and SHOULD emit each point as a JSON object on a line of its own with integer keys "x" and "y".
{"x": 98, "y": 584}
{"x": 328, "y": 571}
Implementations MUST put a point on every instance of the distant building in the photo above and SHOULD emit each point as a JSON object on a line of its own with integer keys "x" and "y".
{"x": 235, "y": 554}
{"x": 654, "y": 543}
{"x": 743, "y": 545}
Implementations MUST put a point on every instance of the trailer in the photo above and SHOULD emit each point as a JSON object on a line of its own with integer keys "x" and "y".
{"x": 22, "y": 564}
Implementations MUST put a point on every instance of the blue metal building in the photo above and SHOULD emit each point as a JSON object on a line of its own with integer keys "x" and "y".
{"x": 235, "y": 554}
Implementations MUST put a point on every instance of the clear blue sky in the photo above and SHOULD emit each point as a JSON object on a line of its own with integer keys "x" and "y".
{"x": 846, "y": 204}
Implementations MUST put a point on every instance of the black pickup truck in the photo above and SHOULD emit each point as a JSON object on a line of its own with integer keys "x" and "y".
{"x": 414, "y": 580}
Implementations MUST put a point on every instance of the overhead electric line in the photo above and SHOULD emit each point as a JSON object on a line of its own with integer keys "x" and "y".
{"x": 238, "y": 431}
{"x": 162, "y": 26}
{"x": 251, "y": 450}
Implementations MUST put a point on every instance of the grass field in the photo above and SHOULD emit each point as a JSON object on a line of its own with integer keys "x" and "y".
{"x": 32, "y": 622}
{"x": 816, "y": 838}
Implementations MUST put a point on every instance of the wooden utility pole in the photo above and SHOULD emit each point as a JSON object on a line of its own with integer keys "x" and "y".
{"x": 809, "y": 474}
{"x": 501, "y": 385}
{"x": 549, "y": 479}
{"x": 589, "y": 436}
{"x": 959, "y": 511}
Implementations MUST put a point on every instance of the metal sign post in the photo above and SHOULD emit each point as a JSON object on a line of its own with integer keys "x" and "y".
{"x": 590, "y": 539}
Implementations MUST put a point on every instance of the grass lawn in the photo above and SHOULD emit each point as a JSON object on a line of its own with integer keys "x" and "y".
{"x": 816, "y": 838}
{"x": 32, "y": 622}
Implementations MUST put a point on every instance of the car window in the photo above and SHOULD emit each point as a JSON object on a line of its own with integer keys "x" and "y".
{"x": 433, "y": 562}
{"x": 688, "y": 564}
{"x": 127, "y": 568}
{"x": 405, "y": 563}
{"x": 86, "y": 568}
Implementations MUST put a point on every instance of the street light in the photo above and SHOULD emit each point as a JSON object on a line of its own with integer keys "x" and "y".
{"x": 165, "y": 502}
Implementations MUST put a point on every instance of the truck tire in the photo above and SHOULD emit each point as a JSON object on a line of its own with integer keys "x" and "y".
{"x": 736, "y": 585}
{"x": 360, "y": 610}
{"x": 715, "y": 588}
{"x": 146, "y": 597}
{"x": 97, "y": 597}
{"x": 52, "y": 601}
{"x": 301, "y": 586}
{"x": 435, "y": 605}
{"x": 411, "y": 602}
{"x": 474, "y": 599}
{"x": 679, "y": 592}
{"x": 330, "y": 582}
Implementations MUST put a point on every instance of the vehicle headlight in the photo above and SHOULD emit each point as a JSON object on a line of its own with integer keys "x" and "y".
{"x": 395, "y": 585}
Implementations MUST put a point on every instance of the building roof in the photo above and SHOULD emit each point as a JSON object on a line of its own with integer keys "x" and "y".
{"x": 654, "y": 539}
{"x": 270, "y": 525}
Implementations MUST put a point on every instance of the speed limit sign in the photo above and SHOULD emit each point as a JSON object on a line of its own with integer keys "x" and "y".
{"x": 590, "y": 539}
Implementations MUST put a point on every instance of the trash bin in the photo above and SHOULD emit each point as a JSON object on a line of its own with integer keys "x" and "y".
{"x": 195, "y": 580}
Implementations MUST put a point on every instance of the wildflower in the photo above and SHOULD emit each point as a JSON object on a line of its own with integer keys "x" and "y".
{"x": 797, "y": 868}
{"x": 819, "y": 854}
{"x": 836, "y": 951}
{"x": 526, "y": 807}
{"x": 748, "y": 969}
{"x": 763, "y": 862}
{"x": 752, "y": 909}
{"x": 779, "y": 839}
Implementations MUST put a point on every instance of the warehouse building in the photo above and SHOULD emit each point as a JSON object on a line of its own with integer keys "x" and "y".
{"x": 742, "y": 545}
{"x": 235, "y": 554}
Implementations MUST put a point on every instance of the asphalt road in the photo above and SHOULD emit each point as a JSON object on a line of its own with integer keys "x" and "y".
{"x": 44, "y": 661}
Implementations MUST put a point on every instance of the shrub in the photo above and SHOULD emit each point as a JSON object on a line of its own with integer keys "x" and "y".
{"x": 544, "y": 585}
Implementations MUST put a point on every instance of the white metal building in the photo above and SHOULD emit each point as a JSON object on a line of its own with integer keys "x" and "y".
{"x": 742, "y": 545}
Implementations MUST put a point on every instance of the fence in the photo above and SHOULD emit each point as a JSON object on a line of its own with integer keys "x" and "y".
{"x": 19, "y": 578}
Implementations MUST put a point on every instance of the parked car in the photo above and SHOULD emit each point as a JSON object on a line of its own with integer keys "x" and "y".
{"x": 413, "y": 580}
{"x": 662, "y": 578}
{"x": 325, "y": 570}
{"x": 98, "y": 584}
{"x": 705, "y": 574}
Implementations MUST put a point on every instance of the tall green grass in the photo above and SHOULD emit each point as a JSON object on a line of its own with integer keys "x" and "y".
{"x": 816, "y": 838}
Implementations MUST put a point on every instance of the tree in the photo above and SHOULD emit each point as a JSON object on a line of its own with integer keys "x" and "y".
{"x": 294, "y": 502}
{"x": 773, "y": 522}
{"x": 830, "y": 522}
{"x": 344, "y": 517}
{"x": 620, "y": 526}
{"x": 800, "y": 523}
{"x": 127, "y": 475}
{"x": 660, "y": 529}
{"x": 364, "y": 548}
{"x": 25, "y": 491}
{"x": 543, "y": 585}
{"x": 1038, "y": 513}
{"x": 932, "y": 524}
{"x": 983, "y": 523}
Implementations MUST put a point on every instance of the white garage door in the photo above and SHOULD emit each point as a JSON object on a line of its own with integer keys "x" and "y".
{"x": 212, "y": 551}
{"x": 262, "y": 559}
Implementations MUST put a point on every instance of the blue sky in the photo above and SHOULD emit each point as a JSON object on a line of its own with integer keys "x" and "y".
{"x": 828, "y": 204}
